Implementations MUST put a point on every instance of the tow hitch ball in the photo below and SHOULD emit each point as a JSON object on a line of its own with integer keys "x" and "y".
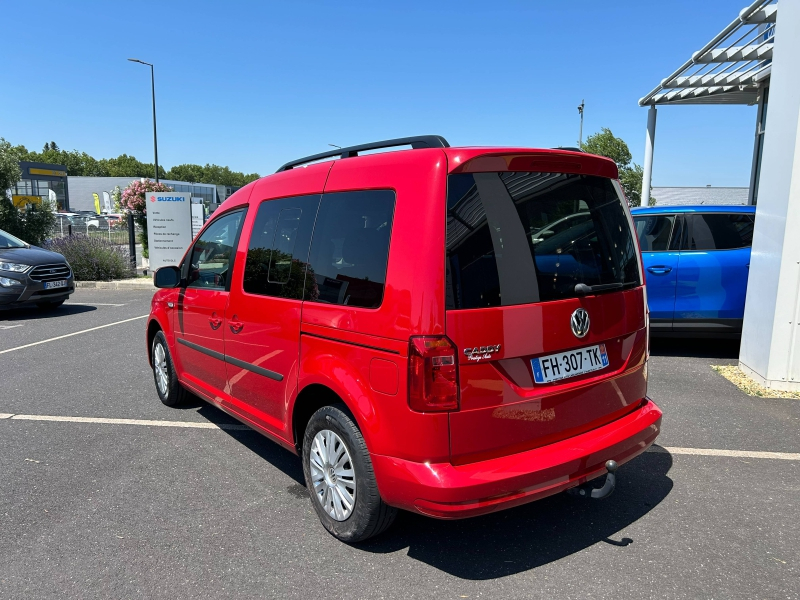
{"x": 586, "y": 491}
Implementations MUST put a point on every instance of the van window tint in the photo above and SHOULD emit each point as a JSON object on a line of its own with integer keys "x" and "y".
{"x": 718, "y": 231}
{"x": 653, "y": 231}
{"x": 517, "y": 238}
{"x": 350, "y": 249}
{"x": 212, "y": 256}
{"x": 277, "y": 255}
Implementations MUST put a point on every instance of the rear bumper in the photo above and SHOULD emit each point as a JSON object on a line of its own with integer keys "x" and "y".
{"x": 453, "y": 492}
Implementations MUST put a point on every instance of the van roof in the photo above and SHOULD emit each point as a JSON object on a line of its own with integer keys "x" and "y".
{"x": 476, "y": 159}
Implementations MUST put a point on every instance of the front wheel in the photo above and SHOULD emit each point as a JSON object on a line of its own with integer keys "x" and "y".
{"x": 340, "y": 478}
{"x": 169, "y": 389}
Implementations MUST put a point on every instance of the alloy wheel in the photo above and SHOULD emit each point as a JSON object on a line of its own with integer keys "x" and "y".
{"x": 160, "y": 368}
{"x": 332, "y": 475}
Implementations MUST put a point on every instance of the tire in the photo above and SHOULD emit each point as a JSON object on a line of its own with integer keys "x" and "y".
{"x": 369, "y": 514}
{"x": 169, "y": 389}
{"x": 49, "y": 305}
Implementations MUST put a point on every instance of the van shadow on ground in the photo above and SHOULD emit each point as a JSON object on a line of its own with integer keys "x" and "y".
{"x": 532, "y": 535}
{"x": 504, "y": 543}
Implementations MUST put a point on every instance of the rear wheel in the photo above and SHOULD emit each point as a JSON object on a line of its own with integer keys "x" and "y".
{"x": 340, "y": 478}
{"x": 169, "y": 389}
{"x": 49, "y": 305}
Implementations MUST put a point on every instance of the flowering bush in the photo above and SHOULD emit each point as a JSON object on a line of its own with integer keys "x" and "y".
{"x": 93, "y": 258}
{"x": 134, "y": 199}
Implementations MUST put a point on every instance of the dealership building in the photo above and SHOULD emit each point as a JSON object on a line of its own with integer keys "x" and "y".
{"x": 41, "y": 181}
{"x": 83, "y": 189}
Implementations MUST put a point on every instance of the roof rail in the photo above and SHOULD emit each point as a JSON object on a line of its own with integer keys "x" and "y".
{"x": 416, "y": 142}
{"x": 570, "y": 148}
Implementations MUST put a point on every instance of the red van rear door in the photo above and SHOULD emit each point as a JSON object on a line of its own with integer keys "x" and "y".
{"x": 546, "y": 307}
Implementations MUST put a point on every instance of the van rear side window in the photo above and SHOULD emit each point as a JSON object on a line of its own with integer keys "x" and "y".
{"x": 350, "y": 249}
{"x": 277, "y": 254}
{"x": 519, "y": 238}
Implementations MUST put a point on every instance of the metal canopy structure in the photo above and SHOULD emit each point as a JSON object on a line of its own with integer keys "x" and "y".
{"x": 733, "y": 68}
{"x": 730, "y": 68}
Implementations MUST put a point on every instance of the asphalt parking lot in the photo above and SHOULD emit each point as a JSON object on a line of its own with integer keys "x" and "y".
{"x": 203, "y": 508}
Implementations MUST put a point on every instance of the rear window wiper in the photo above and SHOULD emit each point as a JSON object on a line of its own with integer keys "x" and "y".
{"x": 582, "y": 289}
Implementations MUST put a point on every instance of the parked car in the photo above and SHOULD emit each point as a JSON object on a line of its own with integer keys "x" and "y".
{"x": 393, "y": 320}
{"x": 697, "y": 260}
{"x": 31, "y": 274}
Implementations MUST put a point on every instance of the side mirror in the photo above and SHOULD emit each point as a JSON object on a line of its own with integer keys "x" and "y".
{"x": 167, "y": 277}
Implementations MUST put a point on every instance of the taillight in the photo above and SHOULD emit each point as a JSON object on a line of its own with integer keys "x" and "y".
{"x": 432, "y": 374}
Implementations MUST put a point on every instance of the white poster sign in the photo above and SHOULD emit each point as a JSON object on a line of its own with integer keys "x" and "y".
{"x": 169, "y": 227}
{"x": 107, "y": 202}
{"x": 197, "y": 218}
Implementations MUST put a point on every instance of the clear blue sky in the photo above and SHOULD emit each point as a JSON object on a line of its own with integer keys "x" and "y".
{"x": 253, "y": 84}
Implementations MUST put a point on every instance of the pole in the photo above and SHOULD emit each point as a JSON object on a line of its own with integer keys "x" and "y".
{"x": 131, "y": 241}
{"x": 580, "y": 135}
{"x": 649, "y": 144}
{"x": 155, "y": 138}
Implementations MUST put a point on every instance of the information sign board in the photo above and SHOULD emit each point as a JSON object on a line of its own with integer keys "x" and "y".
{"x": 169, "y": 227}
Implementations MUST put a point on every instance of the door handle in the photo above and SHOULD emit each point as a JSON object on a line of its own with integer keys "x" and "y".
{"x": 215, "y": 323}
{"x": 235, "y": 325}
{"x": 659, "y": 270}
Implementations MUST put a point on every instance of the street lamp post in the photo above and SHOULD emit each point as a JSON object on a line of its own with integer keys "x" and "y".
{"x": 580, "y": 135}
{"x": 153, "y": 89}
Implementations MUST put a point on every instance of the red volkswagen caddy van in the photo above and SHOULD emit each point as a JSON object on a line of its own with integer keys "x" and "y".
{"x": 450, "y": 331}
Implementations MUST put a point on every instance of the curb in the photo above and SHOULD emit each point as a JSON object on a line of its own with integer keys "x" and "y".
{"x": 123, "y": 284}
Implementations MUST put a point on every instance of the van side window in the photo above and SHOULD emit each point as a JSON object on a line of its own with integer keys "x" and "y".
{"x": 350, "y": 249}
{"x": 211, "y": 262}
{"x": 719, "y": 231}
{"x": 653, "y": 232}
{"x": 277, "y": 255}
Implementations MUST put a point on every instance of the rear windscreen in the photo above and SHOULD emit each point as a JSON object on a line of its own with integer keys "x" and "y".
{"x": 517, "y": 238}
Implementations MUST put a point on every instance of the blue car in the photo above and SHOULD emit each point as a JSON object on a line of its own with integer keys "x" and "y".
{"x": 696, "y": 261}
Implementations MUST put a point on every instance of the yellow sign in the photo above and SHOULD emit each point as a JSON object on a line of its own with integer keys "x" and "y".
{"x": 33, "y": 171}
{"x": 23, "y": 201}
{"x": 96, "y": 202}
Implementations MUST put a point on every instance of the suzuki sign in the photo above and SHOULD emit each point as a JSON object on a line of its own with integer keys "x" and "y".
{"x": 169, "y": 227}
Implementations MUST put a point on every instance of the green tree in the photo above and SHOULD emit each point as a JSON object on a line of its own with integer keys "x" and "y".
{"x": 9, "y": 166}
{"x": 33, "y": 223}
{"x": 605, "y": 143}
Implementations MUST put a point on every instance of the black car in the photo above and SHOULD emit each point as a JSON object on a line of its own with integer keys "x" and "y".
{"x": 31, "y": 274}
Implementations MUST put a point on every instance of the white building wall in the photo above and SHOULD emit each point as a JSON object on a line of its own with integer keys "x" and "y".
{"x": 770, "y": 350}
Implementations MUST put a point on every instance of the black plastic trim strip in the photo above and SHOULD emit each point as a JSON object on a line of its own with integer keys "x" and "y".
{"x": 203, "y": 350}
{"x": 333, "y": 339}
{"x": 250, "y": 367}
{"x": 233, "y": 361}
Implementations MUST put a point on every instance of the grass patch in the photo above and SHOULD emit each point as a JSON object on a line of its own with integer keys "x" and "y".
{"x": 734, "y": 374}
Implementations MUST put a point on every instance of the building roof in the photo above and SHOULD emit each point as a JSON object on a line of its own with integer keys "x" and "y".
{"x": 704, "y": 196}
{"x": 730, "y": 68}
{"x": 653, "y": 210}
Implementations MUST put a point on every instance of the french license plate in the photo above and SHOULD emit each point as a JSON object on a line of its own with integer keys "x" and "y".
{"x": 569, "y": 364}
{"x": 49, "y": 285}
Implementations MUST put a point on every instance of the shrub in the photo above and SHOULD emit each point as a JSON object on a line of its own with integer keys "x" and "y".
{"x": 93, "y": 258}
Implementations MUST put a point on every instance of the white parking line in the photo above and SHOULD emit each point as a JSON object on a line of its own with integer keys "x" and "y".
{"x": 727, "y": 453}
{"x": 242, "y": 427}
{"x": 93, "y": 304}
{"x": 10, "y": 326}
{"x": 146, "y": 422}
{"x": 61, "y": 337}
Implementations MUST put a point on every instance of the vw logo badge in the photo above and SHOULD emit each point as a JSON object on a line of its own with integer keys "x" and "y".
{"x": 579, "y": 322}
